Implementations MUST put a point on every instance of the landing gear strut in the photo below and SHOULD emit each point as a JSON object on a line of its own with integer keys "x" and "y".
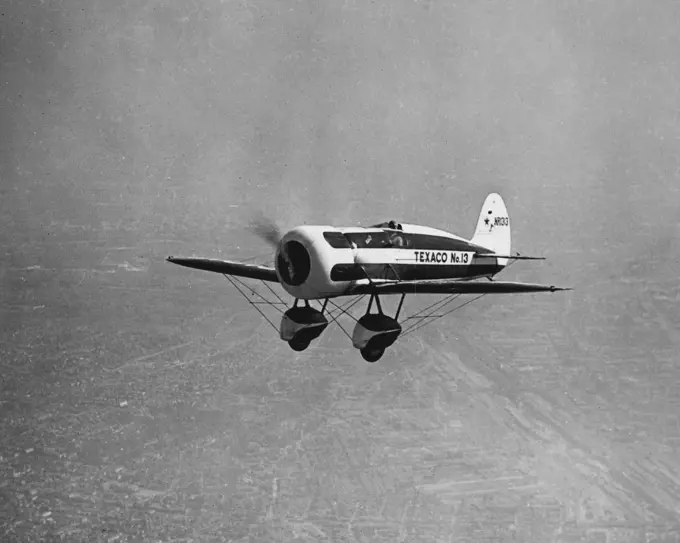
{"x": 374, "y": 332}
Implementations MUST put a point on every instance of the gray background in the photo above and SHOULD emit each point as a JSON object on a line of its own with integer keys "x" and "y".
{"x": 140, "y": 401}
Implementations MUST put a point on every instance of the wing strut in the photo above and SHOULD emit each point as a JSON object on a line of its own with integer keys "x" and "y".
{"x": 401, "y": 303}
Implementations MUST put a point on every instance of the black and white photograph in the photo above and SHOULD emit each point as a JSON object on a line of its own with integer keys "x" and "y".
{"x": 343, "y": 271}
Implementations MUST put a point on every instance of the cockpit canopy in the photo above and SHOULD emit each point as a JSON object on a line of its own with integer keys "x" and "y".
{"x": 393, "y": 225}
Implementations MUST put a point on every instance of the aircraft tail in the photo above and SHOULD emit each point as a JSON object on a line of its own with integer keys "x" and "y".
{"x": 493, "y": 227}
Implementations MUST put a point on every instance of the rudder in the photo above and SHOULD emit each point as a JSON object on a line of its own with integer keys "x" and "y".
{"x": 493, "y": 227}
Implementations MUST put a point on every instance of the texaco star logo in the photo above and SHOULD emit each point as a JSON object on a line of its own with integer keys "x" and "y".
{"x": 488, "y": 220}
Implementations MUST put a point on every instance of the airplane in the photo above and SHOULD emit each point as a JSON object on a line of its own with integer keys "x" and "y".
{"x": 323, "y": 263}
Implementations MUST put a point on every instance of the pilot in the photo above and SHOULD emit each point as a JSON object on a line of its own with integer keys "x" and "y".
{"x": 395, "y": 239}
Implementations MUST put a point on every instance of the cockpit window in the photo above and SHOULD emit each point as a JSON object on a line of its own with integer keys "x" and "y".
{"x": 337, "y": 240}
{"x": 368, "y": 240}
{"x": 379, "y": 240}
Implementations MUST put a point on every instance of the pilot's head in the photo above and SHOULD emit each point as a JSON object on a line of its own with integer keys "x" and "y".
{"x": 392, "y": 225}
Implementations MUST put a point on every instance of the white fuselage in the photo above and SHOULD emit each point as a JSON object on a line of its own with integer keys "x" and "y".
{"x": 340, "y": 258}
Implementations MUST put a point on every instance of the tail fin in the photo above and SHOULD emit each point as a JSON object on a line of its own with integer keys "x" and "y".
{"x": 493, "y": 227}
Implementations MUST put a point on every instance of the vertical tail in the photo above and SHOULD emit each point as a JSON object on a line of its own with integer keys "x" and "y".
{"x": 493, "y": 227}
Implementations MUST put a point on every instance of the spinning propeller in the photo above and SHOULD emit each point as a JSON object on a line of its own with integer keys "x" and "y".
{"x": 294, "y": 262}
{"x": 264, "y": 228}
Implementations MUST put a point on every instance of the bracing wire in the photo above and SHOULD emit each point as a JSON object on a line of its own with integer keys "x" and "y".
{"x": 237, "y": 284}
{"x": 344, "y": 310}
{"x": 432, "y": 306}
{"x": 422, "y": 317}
{"x": 421, "y": 324}
{"x": 429, "y": 311}
{"x": 274, "y": 292}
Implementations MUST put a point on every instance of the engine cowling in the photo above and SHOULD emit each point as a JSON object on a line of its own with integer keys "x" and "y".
{"x": 304, "y": 260}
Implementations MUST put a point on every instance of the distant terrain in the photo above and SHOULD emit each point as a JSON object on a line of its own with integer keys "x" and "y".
{"x": 140, "y": 401}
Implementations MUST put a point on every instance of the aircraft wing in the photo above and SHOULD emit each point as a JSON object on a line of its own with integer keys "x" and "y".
{"x": 451, "y": 287}
{"x": 227, "y": 267}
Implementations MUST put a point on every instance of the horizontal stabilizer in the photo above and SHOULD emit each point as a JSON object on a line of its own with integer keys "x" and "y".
{"x": 510, "y": 257}
{"x": 227, "y": 267}
{"x": 452, "y": 287}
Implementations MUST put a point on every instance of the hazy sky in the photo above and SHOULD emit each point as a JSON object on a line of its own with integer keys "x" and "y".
{"x": 151, "y": 119}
